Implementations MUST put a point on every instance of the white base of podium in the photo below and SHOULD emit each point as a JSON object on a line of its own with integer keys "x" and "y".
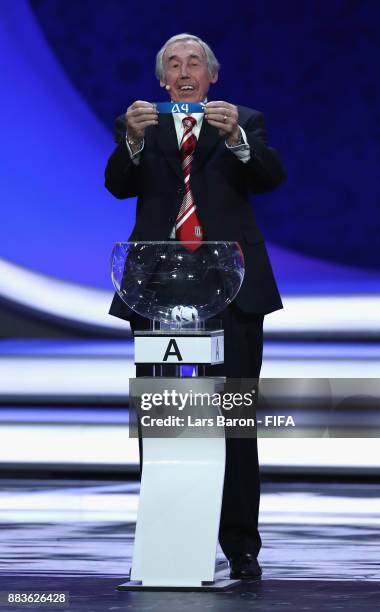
{"x": 221, "y": 582}
{"x": 180, "y": 497}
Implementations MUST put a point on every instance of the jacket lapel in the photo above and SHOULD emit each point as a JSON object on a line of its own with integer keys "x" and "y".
{"x": 167, "y": 140}
{"x": 208, "y": 139}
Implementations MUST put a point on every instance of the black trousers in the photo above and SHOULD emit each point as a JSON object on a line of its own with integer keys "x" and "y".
{"x": 243, "y": 342}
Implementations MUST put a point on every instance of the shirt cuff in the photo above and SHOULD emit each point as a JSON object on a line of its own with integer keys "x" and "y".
{"x": 135, "y": 157}
{"x": 242, "y": 150}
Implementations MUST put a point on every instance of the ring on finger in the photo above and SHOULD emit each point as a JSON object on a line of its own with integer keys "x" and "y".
{"x": 225, "y": 118}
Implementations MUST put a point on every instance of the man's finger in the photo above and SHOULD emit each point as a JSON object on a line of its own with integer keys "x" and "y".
{"x": 220, "y": 125}
{"x": 219, "y": 118}
{"x": 219, "y": 109}
{"x": 141, "y": 103}
{"x": 218, "y": 103}
{"x": 220, "y": 106}
{"x": 142, "y": 119}
{"x": 137, "y": 112}
{"x": 144, "y": 124}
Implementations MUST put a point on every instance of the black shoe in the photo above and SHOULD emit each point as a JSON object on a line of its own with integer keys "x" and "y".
{"x": 244, "y": 566}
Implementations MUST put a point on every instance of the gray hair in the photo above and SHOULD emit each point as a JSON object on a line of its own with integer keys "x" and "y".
{"x": 212, "y": 63}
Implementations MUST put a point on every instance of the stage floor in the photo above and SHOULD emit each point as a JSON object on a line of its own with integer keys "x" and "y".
{"x": 321, "y": 545}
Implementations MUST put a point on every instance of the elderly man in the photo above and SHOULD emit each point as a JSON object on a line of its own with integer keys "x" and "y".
{"x": 225, "y": 153}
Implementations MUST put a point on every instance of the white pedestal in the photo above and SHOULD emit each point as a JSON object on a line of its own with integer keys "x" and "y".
{"x": 180, "y": 498}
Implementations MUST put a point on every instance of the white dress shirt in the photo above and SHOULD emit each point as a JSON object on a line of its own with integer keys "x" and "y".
{"x": 242, "y": 150}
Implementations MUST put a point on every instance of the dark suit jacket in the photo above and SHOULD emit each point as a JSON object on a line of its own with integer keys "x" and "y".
{"x": 221, "y": 185}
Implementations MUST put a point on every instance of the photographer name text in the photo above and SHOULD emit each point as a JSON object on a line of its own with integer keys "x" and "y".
{"x": 217, "y": 421}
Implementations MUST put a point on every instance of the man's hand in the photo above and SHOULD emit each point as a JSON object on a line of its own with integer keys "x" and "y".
{"x": 224, "y": 116}
{"x": 138, "y": 117}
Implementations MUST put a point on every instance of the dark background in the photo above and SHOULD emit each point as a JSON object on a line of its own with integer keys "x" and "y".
{"x": 311, "y": 67}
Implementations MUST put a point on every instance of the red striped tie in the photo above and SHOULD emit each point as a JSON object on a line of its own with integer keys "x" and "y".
{"x": 187, "y": 224}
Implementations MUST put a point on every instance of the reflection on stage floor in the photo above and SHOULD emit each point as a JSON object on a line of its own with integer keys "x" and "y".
{"x": 321, "y": 545}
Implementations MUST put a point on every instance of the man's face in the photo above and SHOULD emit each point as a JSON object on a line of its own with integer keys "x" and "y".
{"x": 186, "y": 72}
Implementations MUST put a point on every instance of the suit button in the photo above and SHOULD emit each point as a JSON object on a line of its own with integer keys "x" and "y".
{"x": 180, "y": 191}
